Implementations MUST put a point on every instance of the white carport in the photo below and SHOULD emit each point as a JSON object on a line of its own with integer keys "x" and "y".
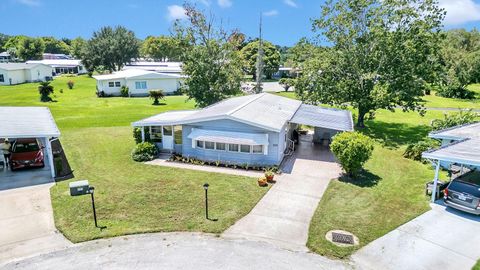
{"x": 30, "y": 122}
{"x": 461, "y": 145}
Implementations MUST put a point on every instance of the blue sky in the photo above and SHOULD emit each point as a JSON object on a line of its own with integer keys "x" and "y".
{"x": 285, "y": 21}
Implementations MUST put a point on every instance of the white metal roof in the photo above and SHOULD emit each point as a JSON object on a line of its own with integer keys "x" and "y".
{"x": 458, "y": 132}
{"x": 57, "y": 62}
{"x": 228, "y": 137}
{"x": 27, "y": 122}
{"x": 330, "y": 118}
{"x": 135, "y": 73}
{"x": 267, "y": 111}
{"x": 17, "y": 66}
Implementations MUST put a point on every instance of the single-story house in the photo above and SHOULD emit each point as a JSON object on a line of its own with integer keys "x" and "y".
{"x": 62, "y": 66}
{"x": 460, "y": 146}
{"x": 15, "y": 73}
{"x": 252, "y": 129}
{"x": 160, "y": 67}
{"x": 31, "y": 122}
{"x": 55, "y": 56}
{"x": 5, "y": 57}
{"x": 139, "y": 82}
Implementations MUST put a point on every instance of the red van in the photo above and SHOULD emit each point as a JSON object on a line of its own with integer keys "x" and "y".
{"x": 26, "y": 153}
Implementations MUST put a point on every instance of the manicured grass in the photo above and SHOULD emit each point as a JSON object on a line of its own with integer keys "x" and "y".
{"x": 477, "y": 266}
{"x": 130, "y": 197}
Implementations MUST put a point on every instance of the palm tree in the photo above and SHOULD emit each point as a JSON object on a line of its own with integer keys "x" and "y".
{"x": 45, "y": 89}
{"x": 156, "y": 95}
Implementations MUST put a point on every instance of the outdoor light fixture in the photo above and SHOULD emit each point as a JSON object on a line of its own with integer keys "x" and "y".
{"x": 79, "y": 188}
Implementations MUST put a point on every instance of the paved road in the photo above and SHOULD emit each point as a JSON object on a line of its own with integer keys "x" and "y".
{"x": 176, "y": 251}
{"x": 282, "y": 217}
{"x": 26, "y": 223}
{"x": 442, "y": 238}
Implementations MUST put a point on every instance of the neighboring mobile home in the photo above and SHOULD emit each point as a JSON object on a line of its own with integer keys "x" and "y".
{"x": 139, "y": 82}
{"x": 160, "y": 67}
{"x": 254, "y": 129}
{"x": 62, "y": 66}
{"x": 16, "y": 73}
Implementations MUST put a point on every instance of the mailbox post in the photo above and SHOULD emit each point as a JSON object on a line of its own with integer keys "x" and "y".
{"x": 79, "y": 188}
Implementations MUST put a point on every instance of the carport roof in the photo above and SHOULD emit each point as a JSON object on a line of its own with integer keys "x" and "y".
{"x": 329, "y": 118}
{"x": 27, "y": 122}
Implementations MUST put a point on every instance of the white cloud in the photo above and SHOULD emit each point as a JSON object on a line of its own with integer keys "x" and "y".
{"x": 224, "y": 3}
{"x": 176, "y": 12}
{"x": 460, "y": 11}
{"x": 270, "y": 13}
{"x": 30, "y": 3}
{"x": 291, "y": 3}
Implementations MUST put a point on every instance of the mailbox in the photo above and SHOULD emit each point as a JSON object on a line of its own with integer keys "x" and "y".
{"x": 79, "y": 188}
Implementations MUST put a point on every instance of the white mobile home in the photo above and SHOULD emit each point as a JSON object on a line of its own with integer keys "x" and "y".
{"x": 62, "y": 66}
{"x": 139, "y": 82}
{"x": 16, "y": 73}
{"x": 160, "y": 67}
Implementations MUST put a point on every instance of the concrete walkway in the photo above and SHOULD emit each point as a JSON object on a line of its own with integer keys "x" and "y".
{"x": 282, "y": 217}
{"x": 163, "y": 161}
{"x": 176, "y": 251}
{"x": 442, "y": 238}
{"x": 26, "y": 222}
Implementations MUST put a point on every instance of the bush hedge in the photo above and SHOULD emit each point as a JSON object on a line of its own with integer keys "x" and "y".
{"x": 352, "y": 150}
{"x": 144, "y": 151}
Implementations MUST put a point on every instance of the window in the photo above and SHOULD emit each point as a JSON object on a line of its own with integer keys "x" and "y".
{"x": 2, "y": 79}
{"x": 177, "y": 134}
{"x": 209, "y": 145}
{"x": 167, "y": 131}
{"x": 117, "y": 84}
{"x": 233, "y": 147}
{"x": 141, "y": 85}
{"x": 156, "y": 134}
{"x": 257, "y": 149}
{"x": 245, "y": 148}
{"x": 220, "y": 146}
{"x": 200, "y": 144}
{"x": 111, "y": 84}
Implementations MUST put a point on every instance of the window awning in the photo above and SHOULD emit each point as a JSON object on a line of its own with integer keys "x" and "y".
{"x": 228, "y": 137}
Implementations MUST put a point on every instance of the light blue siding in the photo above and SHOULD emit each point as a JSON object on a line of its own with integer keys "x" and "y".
{"x": 272, "y": 158}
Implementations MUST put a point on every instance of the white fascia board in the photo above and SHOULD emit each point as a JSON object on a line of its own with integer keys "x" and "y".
{"x": 449, "y": 159}
{"x": 27, "y": 136}
{"x": 445, "y": 137}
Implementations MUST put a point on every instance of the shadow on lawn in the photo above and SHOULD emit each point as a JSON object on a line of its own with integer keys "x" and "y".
{"x": 395, "y": 134}
{"x": 363, "y": 179}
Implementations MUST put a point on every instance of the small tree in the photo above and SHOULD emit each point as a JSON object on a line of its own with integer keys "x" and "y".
{"x": 286, "y": 83}
{"x": 156, "y": 95}
{"x": 124, "y": 91}
{"x": 70, "y": 84}
{"x": 45, "y": 89}
{"x": 352, "y": 149}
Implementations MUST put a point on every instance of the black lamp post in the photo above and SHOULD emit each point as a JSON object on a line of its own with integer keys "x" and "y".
{"x": 205, "y": 186}
{"x": 91, "y": 191}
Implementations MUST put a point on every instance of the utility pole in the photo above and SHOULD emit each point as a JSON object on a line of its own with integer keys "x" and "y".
{"x": 259, "y": 64}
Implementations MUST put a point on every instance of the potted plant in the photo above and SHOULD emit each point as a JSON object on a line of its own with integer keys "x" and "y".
{"x": 262, "y": 181}
{"x": 269, "y": 176}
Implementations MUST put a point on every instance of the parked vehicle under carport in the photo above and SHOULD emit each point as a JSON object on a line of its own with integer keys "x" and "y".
{"x": 26, "y": 153}
{"x": 463, "y": 193}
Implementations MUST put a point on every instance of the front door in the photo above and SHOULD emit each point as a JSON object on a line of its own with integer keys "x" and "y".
{"x": 167, "y": 137}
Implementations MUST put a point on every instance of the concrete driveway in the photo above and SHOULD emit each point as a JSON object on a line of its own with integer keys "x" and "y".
{"x": 176, "y": 251}
{"x": 26, "y": 222}
{"x": 442, "y": 238}
{"x": 282, "y": 217}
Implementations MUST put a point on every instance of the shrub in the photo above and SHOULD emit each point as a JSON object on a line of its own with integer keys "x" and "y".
{"x": 70, "y": 84}
{"x": 286, "y": 83}
{"x": 414, "y": 150}
{"x": 45, "y": 89}
{"x": 454, "y": 119}
{"x": 144, "y": 151}
{"x": 156, "y": 95}
{"x": 124, "y": 91}
{"x": 137, "y": 135}
{"x": 352, "y": 150}
{"x": 455, "y": 92}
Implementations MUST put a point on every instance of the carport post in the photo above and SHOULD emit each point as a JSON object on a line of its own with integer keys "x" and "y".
{"x": 143, "y": 133}
{"x": 435, "y": 181}
{"x": 50, "y": 156}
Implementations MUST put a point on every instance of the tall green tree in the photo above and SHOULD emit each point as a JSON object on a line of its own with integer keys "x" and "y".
{"x": 162, "y": 48}
{"x": 53, "y": 45}
{"x": 211, "y": 62}
{"x": 3, "y": 40}
{"x": 271, "y": 58}
{"x": 111, "y": 48}
{"x": 30, "y": 48}
{"x": 78, "y": 47}
{"x": 381, "y": 54}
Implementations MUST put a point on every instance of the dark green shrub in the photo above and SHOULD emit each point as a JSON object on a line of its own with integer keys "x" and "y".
{"x": 455, "y": 92}
{"x": 414, "y": 150}
{"x": 137, "y": 135}
{"x": 286, "y": 83}
{"x": 156, "y": 95}
{"x": 352, "y": 150}
{"x": 124, "y": 91}
{"x": 144, "y": 151}
{"x": 454, "y": 119}
{"x": 45, "y": 89}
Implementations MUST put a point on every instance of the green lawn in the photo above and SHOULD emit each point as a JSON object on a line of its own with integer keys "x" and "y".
{"x": 477, "y": 266}
{"x": 130, "y": 197}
